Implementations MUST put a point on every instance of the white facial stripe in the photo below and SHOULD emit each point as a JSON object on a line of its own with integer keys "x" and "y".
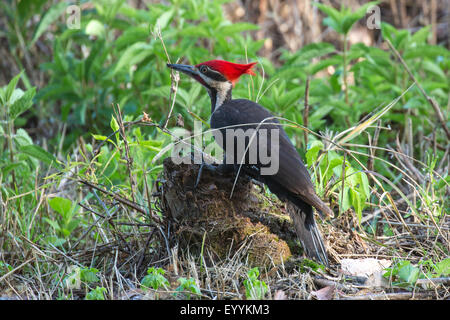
{"x": 222, "y": 93}
{"x": 222, "y": 87}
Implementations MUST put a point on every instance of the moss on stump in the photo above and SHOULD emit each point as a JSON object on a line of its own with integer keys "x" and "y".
{"x": 208, "y": 214}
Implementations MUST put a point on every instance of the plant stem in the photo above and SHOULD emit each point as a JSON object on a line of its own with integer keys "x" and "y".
{"x": 9, "y": 134}
{"x": 345, "y": 69}
{"x": 306, "y": 113}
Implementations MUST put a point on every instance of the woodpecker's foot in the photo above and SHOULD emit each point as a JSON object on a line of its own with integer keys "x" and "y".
{"x": 209, "y": 167}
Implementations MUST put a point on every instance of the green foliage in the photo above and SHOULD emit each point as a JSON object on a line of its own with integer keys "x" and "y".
{"x": 188, "y": 285}
{"x": 405, "y": 274}
{"x": 66, "y": 222}
{"x": 255, "y": 289}
{"x": 354, "y": 192}
{"x": 96, "y": 294}
{"x": 155, "y": 279}
{"x": 79, "y": 277}
{"x": 342, "y": 20}
{"x": 5, "y": 268}
{"x": 129, "y": 69}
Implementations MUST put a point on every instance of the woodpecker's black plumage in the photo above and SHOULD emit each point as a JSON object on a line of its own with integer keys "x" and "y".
{"x": 291, "y": 183}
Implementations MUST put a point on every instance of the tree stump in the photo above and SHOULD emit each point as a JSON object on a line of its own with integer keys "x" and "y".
{"x": 208, "y": 217}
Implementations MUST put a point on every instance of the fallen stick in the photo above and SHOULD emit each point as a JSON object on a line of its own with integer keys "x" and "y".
{"x": 392, "y": 296}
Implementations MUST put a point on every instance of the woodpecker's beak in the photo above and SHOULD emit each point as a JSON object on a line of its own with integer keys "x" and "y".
{"x": 189, "y": 70}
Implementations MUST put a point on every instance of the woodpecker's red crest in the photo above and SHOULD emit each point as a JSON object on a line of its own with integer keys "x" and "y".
{"x": 231, "y": 71}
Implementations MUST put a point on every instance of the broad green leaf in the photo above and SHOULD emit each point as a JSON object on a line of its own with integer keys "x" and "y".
{"x": 349, "y": 19}
{"x": 22, "y": 138}
{"x": 408, "y": 273}
{"x": 61, "y": 205}
{"x": 114, "y": 124}
{"x": 95, "y": 28}
{"x": 131, "y": 36}
{"x": 97, "y": 294}
{"x": 133, "y": 55}
{"x": 421, "y": 35}
{"x": 11, "y": 87}
{"x": 39, "y": 153}
{"x": 53, "y": 223}
{"x": 89, "y": 275}
{"x": 443, "y": 268}
{"x": 356, "y": 202}
{"x": 101, "y": 137}
{"x": 22, "y": 104}
{"x": 434, "y": 68}
{"x": 155, "y": 279}
{"x": 344, "y": 199}
{"x": 334, "y": 14}
{"x": 164, "y": 19}
{"x": 313, "y": 150}
{"x": 364, "y": 185}
{"x": 48, "y": 18}
{"x": 11, "y": 166}
{"x": 73, "y": 223}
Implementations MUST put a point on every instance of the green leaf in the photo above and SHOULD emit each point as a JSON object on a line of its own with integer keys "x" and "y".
{"x": 73, "y": 223}
{"x": 334, "y": 14}
{"x": 344, "y": 199}
{"x": 61, "y": 205}
{"x": 131, "y": 36}
{"x": 443, "y": 268}
{"x": 164, "y": 19}
{"x": 254, "y": 289}
{"x": 95, "y": 28}
{"x": 97, "y": 294}
{"x": 39, "y": 153}
{"x": 342, "y": 21}
{"x": 133, "y": 55}
{"x": 89, "y": 275}
{"x": 313, "y": 150}
{"x": 22, "y": 104}
{"x": 421, "y": 35}
{"x": 408, "y": 273}
{"x": 236, "y": 28}
{"x": 364, "y": 185}
{"x": 155, "y": 279}
{"x": 11, "y": 87}
{"x": 114, "y": 124}
{"x": 22, "y": 138}
{"x": 47, "y": 19}
{"x": 12, "y": 166}
{"x": 356, "y": 202}
{"x": 434, "y": 69}
{"x": 350, "y": 19}
{"x": 188, "y": 285}
{"x": 53, "y": 223}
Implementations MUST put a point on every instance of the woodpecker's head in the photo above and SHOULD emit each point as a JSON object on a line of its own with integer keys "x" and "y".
{"x": 217, "y": 76}
{"x": 213, "y": 73}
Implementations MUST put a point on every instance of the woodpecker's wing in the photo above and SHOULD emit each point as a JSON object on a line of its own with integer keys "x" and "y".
{"x": 292, "y": 173}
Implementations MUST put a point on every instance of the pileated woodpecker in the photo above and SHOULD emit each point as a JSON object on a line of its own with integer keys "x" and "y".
{"x": 291, "y": 183}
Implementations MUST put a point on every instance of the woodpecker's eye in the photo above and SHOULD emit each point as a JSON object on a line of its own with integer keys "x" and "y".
{"x": 203, "y": 69}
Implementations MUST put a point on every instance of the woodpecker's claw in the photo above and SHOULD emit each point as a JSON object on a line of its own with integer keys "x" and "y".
{"x": 199, "y": 175}
{"x": 209, "y": 167}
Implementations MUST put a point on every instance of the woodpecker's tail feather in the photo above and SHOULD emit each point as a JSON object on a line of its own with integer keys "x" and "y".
{"x": 308, "y": 232}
